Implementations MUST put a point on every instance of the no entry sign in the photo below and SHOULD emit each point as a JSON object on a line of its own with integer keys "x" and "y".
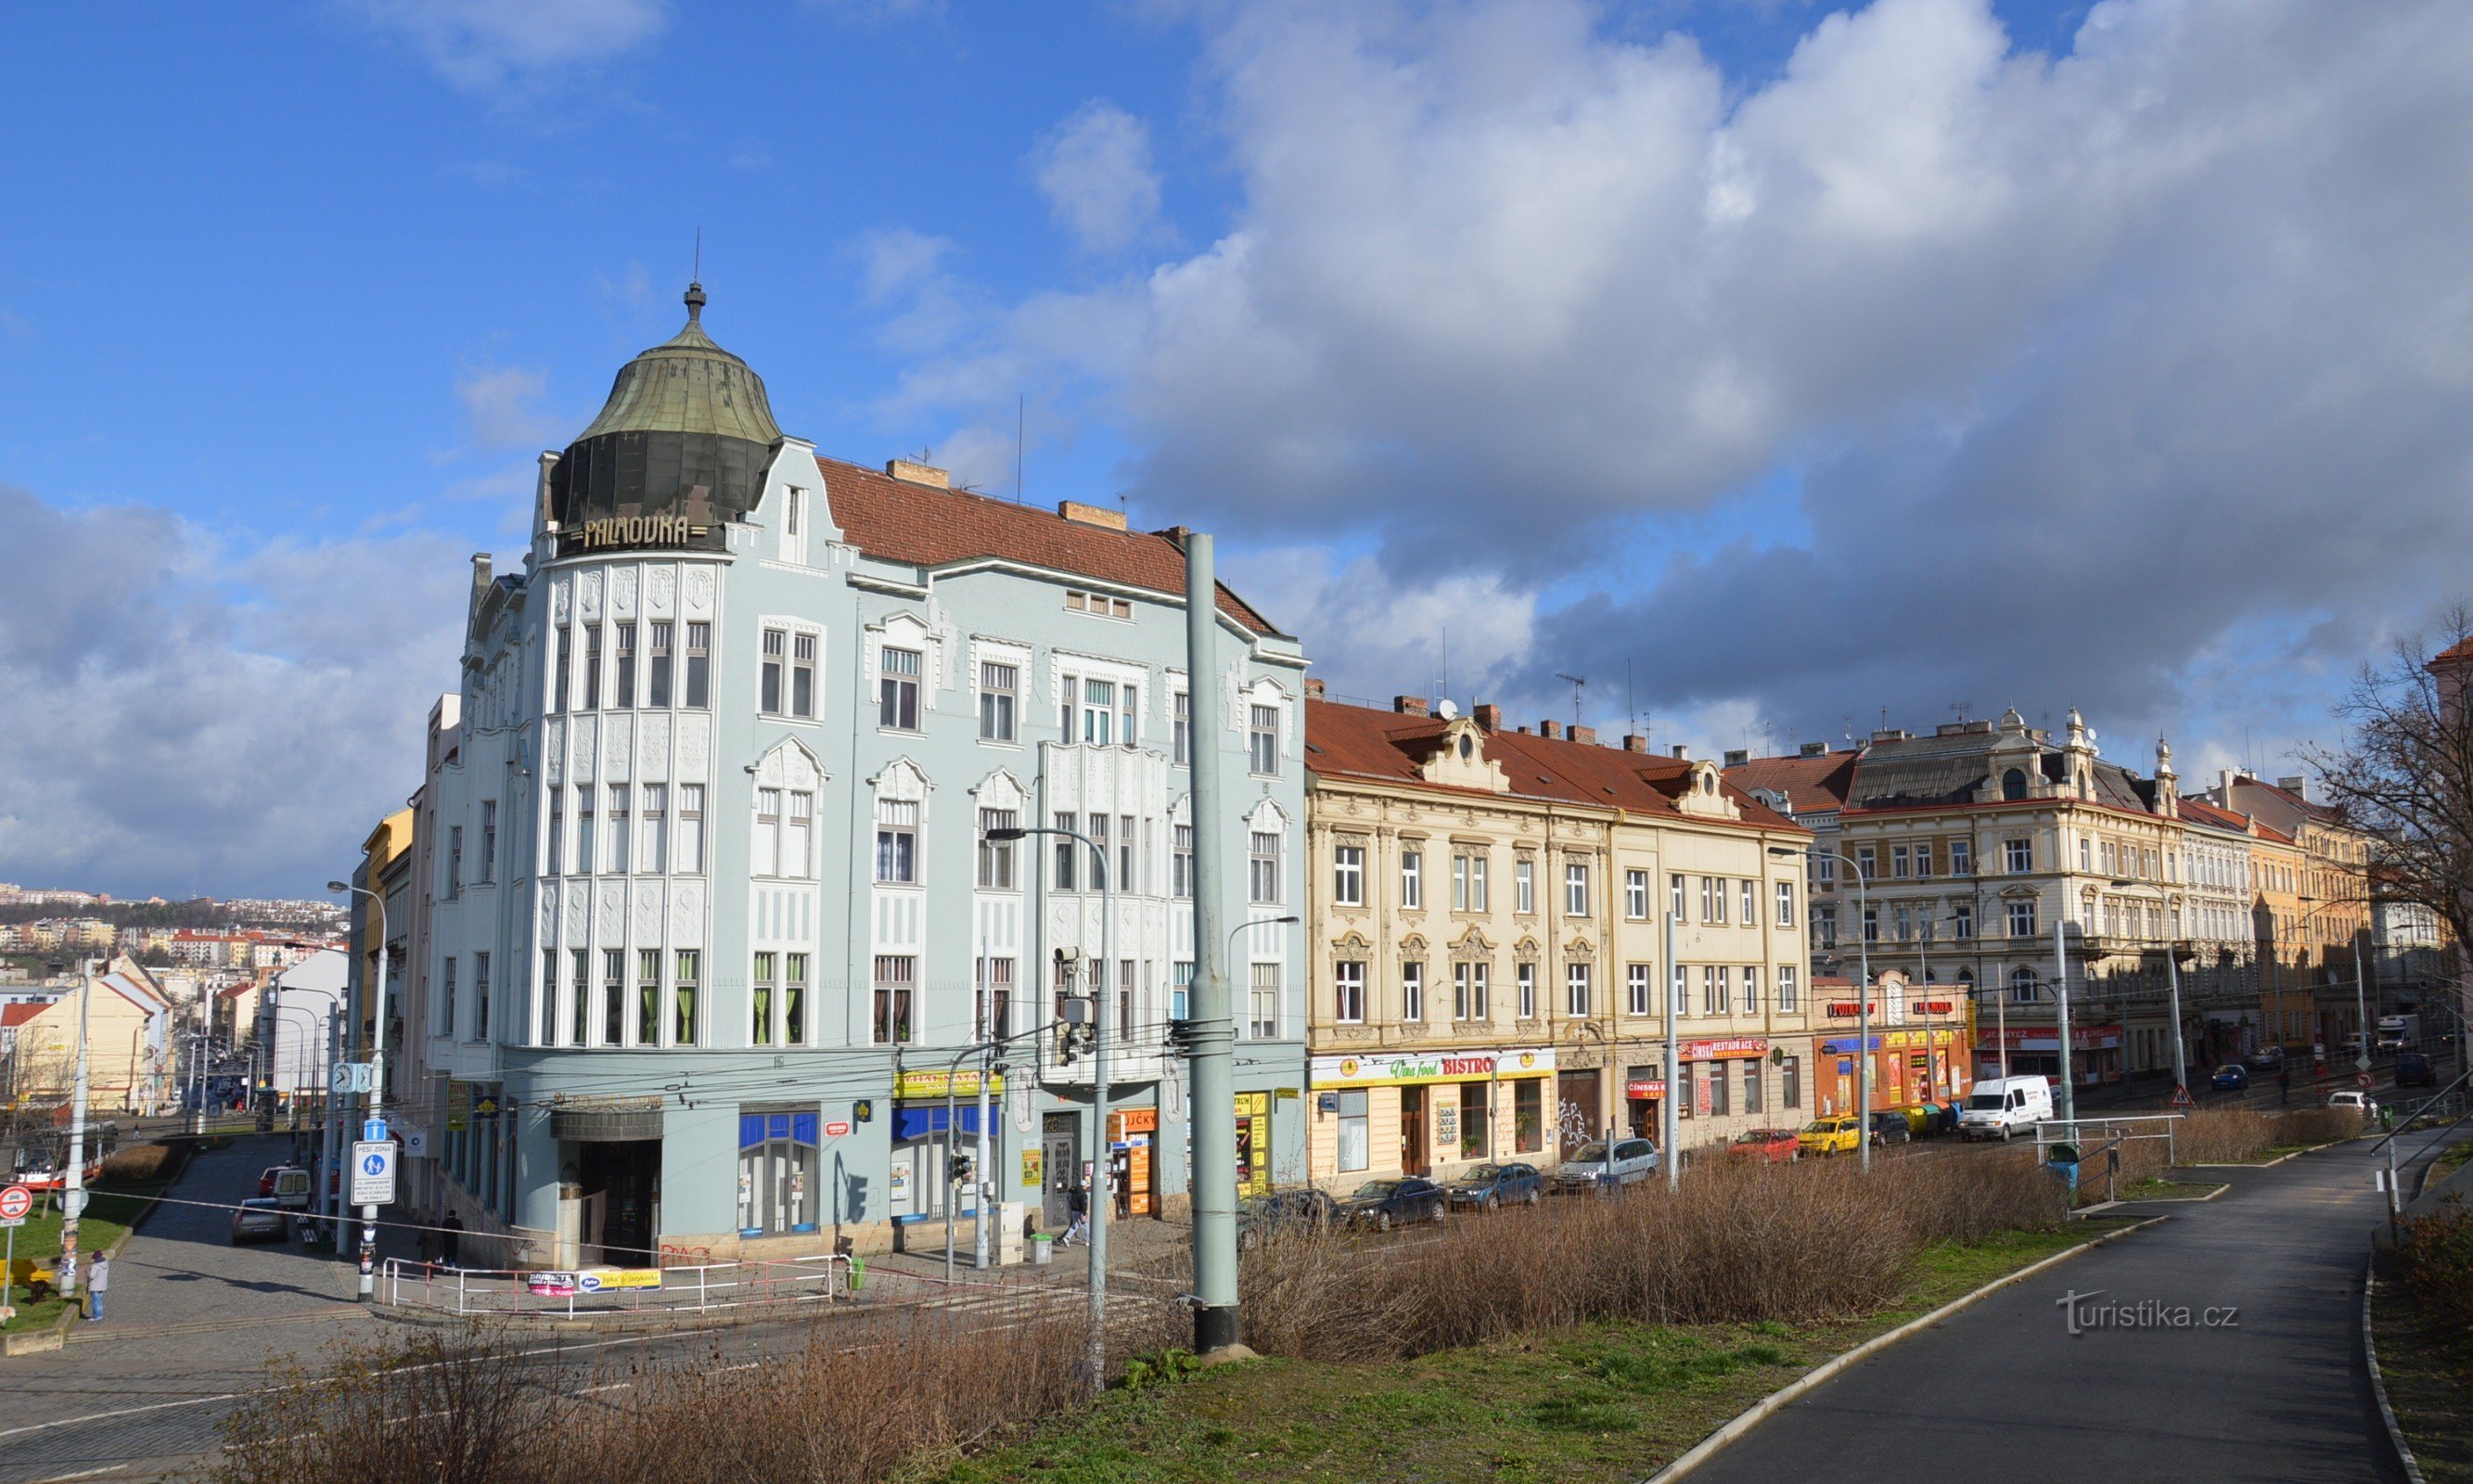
{"x": 16, "y": 1202}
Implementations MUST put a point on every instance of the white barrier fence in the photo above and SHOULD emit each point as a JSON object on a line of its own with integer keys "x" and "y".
{"x": 586, "y": 1292}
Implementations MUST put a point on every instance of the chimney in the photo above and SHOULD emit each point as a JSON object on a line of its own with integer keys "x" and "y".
{"x": 1488, "y": 716}
{"x": 919, "y": 473}
{"x": 2296, "y": 786}
{"x": 1524, "y": 731}
{"x": 1737, "y": 756}
{"x": 1408, "y": 705}
{"x": 1091, "y": 515}
{"x": 1681, "y": 753}
{"x": 1634, "y": 742}
{"x": 1587, "y": 734}
{"x": 1313, "y": 687}
{"x": 1812, "y": 749}
{"x": 1550, "y": 728}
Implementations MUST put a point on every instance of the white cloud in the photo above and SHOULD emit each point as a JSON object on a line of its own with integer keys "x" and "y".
{"x": 1096, "y": 171}
{"x": 1404, "y": 635}
{"x": 484, "y": 44}
{"x": 501, "y": 407}
{"x": 2083, "y": 364}
{"x": 209, "y": 718}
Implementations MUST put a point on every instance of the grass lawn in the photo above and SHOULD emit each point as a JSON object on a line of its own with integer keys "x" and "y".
{"x": 2151, "y": 1188}
{"x": 110, "y": 1211}
{"x": 1605, "y": 1402}
{"x": 2430, "y": 1384}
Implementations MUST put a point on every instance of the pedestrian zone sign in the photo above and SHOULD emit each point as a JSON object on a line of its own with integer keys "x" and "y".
{"x": 372, "y": 1174}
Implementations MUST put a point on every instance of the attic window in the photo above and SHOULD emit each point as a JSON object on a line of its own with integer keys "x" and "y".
{"x": 1468, "y": 744}
{"x": 1098, "y": 604}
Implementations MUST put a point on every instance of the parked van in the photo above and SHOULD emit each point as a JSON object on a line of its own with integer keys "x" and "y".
{"x": 2002, "y": 1105}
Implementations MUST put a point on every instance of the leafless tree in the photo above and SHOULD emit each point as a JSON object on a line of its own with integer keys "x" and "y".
{"x": 2405, "y": 770}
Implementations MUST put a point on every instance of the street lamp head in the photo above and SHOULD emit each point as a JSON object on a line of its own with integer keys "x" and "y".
{"x": 1784, "y": 849}
{"x": 1006, "y": 834}
{"x": 339, "y": 886}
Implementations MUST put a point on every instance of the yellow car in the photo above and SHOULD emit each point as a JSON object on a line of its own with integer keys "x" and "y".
{"x": 1831, "y": 1135}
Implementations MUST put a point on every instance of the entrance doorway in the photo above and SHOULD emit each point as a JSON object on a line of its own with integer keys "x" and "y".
{"x": 621, "y": 1185}
{"x": 1576, "y": 1115}
{"x": 1060, "y": 1142}
{"x": 1413, "y": 1131}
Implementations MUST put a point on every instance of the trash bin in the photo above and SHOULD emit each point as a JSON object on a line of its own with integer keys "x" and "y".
{"x": 2062, "y": 1159}
{"x": 857, "y": 1273}
{"x": 1042, "y": 1248}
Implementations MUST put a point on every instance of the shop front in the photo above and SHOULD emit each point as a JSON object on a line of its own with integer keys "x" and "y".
{"x": 1379, "y": 1115}
{"x": 2095, "y": 1052}
{"x": 935, "y": 1142}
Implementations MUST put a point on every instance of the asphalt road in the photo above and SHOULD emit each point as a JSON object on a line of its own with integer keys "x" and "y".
{"x": 2004, "y": 1390}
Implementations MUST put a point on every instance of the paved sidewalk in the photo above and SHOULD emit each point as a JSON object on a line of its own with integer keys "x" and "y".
{"x": 2279, "y": 1394}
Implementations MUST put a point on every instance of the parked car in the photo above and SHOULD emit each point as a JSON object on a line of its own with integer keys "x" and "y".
{"x": 266, "y": 1179}
{"x": 1891, "y": 1127}
{"x": 2267, "y": 1058}
{"x": 2231, "y": 1077}
{"x": 257, "y": 1219}
{"x": 1635, "y": 1159}
{"x": 2412, "y": 1070}
{"x": 2355, "y": 1102}
{"x": 1775, "y": 1146}
{"x": 1492, "y": 1187}
{"x": 1999, "y": 1107}
{"x": 1281, "y": 1214}
{"x": 1384, "y": 1204}
{"x": 1830, "y": 1135}
{"x": 288, "y": 1185}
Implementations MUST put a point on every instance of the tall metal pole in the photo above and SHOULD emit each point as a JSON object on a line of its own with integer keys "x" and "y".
{"x": 1862, "y": 1007}
{"x": 982, "y": 1169}
{"x": 371, "y": 1100}
{"x": 2061, "y": 965}
{"x": 1212, "y": 1032}
{"x": 1669, "y": 1114}
{"x": 2360, "y": 1009}
{"x": 1101, "y": 1166}
{"x": 73, "y": 1186}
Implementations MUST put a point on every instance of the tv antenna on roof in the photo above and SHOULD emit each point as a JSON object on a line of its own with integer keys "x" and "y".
{"x": 1577, "y": 682}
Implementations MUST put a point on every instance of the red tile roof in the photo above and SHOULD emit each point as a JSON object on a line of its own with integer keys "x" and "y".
{"x": 1810, "y": 785}
{"x": 1363, "y": 742}
{"x": 2205, "y": 813}
{"x": 901, "y": 520}
{"x": 13, "y": 1015}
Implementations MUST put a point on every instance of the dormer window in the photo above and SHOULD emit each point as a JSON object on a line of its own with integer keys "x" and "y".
{"x": 1098, "y": 604}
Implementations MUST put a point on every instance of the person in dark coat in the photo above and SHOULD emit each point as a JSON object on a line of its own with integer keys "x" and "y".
{"x": 451, "y": 1239}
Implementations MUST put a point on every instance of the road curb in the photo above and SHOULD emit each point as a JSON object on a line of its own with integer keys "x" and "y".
{"x": 2378, "y": 1382}
{"x": 1760, "y": 1411}
{"x": 2265, "y": 1165}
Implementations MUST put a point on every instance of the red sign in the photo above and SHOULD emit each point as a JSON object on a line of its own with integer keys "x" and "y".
{"x": 1644, "y": 1088}
{"x": 1850, "y": 1010}
{"x": 1724, "y": 1046}
{"x": 1934, "y": 1007}
{"x": 836, "y": 1129}
{"x": 16, "y": 1202}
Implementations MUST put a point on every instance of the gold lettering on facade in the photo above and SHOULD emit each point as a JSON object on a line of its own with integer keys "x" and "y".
{"x": 637, "y": 531}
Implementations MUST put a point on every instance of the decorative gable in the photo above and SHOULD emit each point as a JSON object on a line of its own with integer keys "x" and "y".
{"x": 1702, "y": 796}
{"x": 1460, "y": 762}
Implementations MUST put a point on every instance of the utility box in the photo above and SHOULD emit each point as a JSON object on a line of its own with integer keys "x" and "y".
{"x": 1007, "y": 1251}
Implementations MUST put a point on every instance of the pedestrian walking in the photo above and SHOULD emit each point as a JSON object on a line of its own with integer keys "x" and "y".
{"x": 98, "y": 1281}
{"x": 451, "y": 1239}
{"x": 1077, "y": 1201}
{"x": 2283, "y": 1084}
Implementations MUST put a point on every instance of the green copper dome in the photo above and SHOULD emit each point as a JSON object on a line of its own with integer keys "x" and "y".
{"x": 679, "y": 450}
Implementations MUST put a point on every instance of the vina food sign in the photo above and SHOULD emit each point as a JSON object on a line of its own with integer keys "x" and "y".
{"x": 1374, "y": 1071}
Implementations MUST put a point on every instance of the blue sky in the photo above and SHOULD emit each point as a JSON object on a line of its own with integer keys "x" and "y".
{"x": 1799, "y": 361}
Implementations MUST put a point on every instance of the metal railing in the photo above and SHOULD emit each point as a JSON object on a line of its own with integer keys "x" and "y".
{"x": 2110, "y": 1131}
{"x": 583, "y": 1293}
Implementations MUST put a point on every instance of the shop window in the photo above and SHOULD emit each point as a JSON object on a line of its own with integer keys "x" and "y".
{"x": 1790, "y": 1084}
{"x": 1475, "y": 1110}
{"x": 1356, "y": 1135}
{"x": 1528, "y": 1114}
{"x": 1752, "y": 1087}
{"x": 777, "y": 1172}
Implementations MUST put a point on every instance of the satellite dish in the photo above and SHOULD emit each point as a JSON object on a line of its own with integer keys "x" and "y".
{"x": 1446, "y": 709}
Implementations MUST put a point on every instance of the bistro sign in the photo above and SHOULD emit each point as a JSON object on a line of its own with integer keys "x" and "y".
{"x": 1391, "y": 1070}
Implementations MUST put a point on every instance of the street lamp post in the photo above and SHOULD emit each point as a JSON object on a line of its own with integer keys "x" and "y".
{"x": 369, "y": 1100}
{"x": 1863, "y": 1003}
{"x": 1095, "y": 1354}
{"x": 2172, "y": 973}
{"x": 2360, "y": 986}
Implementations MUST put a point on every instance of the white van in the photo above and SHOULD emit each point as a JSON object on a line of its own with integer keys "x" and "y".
{"x": 1999, "y": 1107}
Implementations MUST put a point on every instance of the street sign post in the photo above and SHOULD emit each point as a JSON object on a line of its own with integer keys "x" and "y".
{"x": 15, "y": 1203}
{"x": 372, "y": 1174}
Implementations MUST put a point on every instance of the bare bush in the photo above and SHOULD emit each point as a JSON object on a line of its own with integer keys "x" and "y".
{"x": 1736, "y": 1243}
{"x": 137, "y": 1163}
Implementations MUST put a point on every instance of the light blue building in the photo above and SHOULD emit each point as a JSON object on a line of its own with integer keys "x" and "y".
{"x": 710, "y": 909}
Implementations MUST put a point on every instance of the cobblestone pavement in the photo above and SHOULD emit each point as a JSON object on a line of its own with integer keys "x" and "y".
{"x": 191, "y": 1319}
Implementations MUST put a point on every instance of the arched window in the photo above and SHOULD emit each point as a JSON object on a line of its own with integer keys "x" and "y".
{"x": 2013, "y": 783}
{"x": 2024, "y": 986}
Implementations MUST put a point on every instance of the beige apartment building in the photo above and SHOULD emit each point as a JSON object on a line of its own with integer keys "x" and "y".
{"x": 1486, "y": 942}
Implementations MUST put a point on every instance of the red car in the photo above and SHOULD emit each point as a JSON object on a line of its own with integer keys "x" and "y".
{"x": 1775, "y": 1145}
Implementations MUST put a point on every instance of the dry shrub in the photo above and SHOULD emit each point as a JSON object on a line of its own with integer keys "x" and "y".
{"x": 138, "y": 1164}
{"x": 1736, "y": 1243}
{"x": 2223, "y": 1136}
{"x": 863, "y": 1394}
{"x": 2309, "y": 1126}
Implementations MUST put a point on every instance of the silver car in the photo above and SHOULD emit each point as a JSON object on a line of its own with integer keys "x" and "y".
{"x": 1588, "y": 1168}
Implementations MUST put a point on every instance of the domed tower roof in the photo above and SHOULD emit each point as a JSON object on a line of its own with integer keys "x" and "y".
{"x": 685, "y": 437}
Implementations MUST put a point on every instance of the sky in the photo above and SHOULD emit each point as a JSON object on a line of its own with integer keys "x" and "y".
{"x": 1781, "y": 369}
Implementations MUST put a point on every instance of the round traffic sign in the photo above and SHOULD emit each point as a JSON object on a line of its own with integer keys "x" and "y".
{"x": 2361, "y": 1078}
{"x": 16, "y": 1202}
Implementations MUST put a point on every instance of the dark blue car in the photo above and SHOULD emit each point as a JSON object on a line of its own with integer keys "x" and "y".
{"x": 2232, "y": 1077}
{"x": 1493, "y": 1186}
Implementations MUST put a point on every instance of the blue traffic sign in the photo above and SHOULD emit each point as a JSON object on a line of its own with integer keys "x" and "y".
{"x": 374, "y": 1131}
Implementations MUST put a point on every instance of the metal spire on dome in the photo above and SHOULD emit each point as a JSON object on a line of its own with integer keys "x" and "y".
{"x": 695, "y": 301}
